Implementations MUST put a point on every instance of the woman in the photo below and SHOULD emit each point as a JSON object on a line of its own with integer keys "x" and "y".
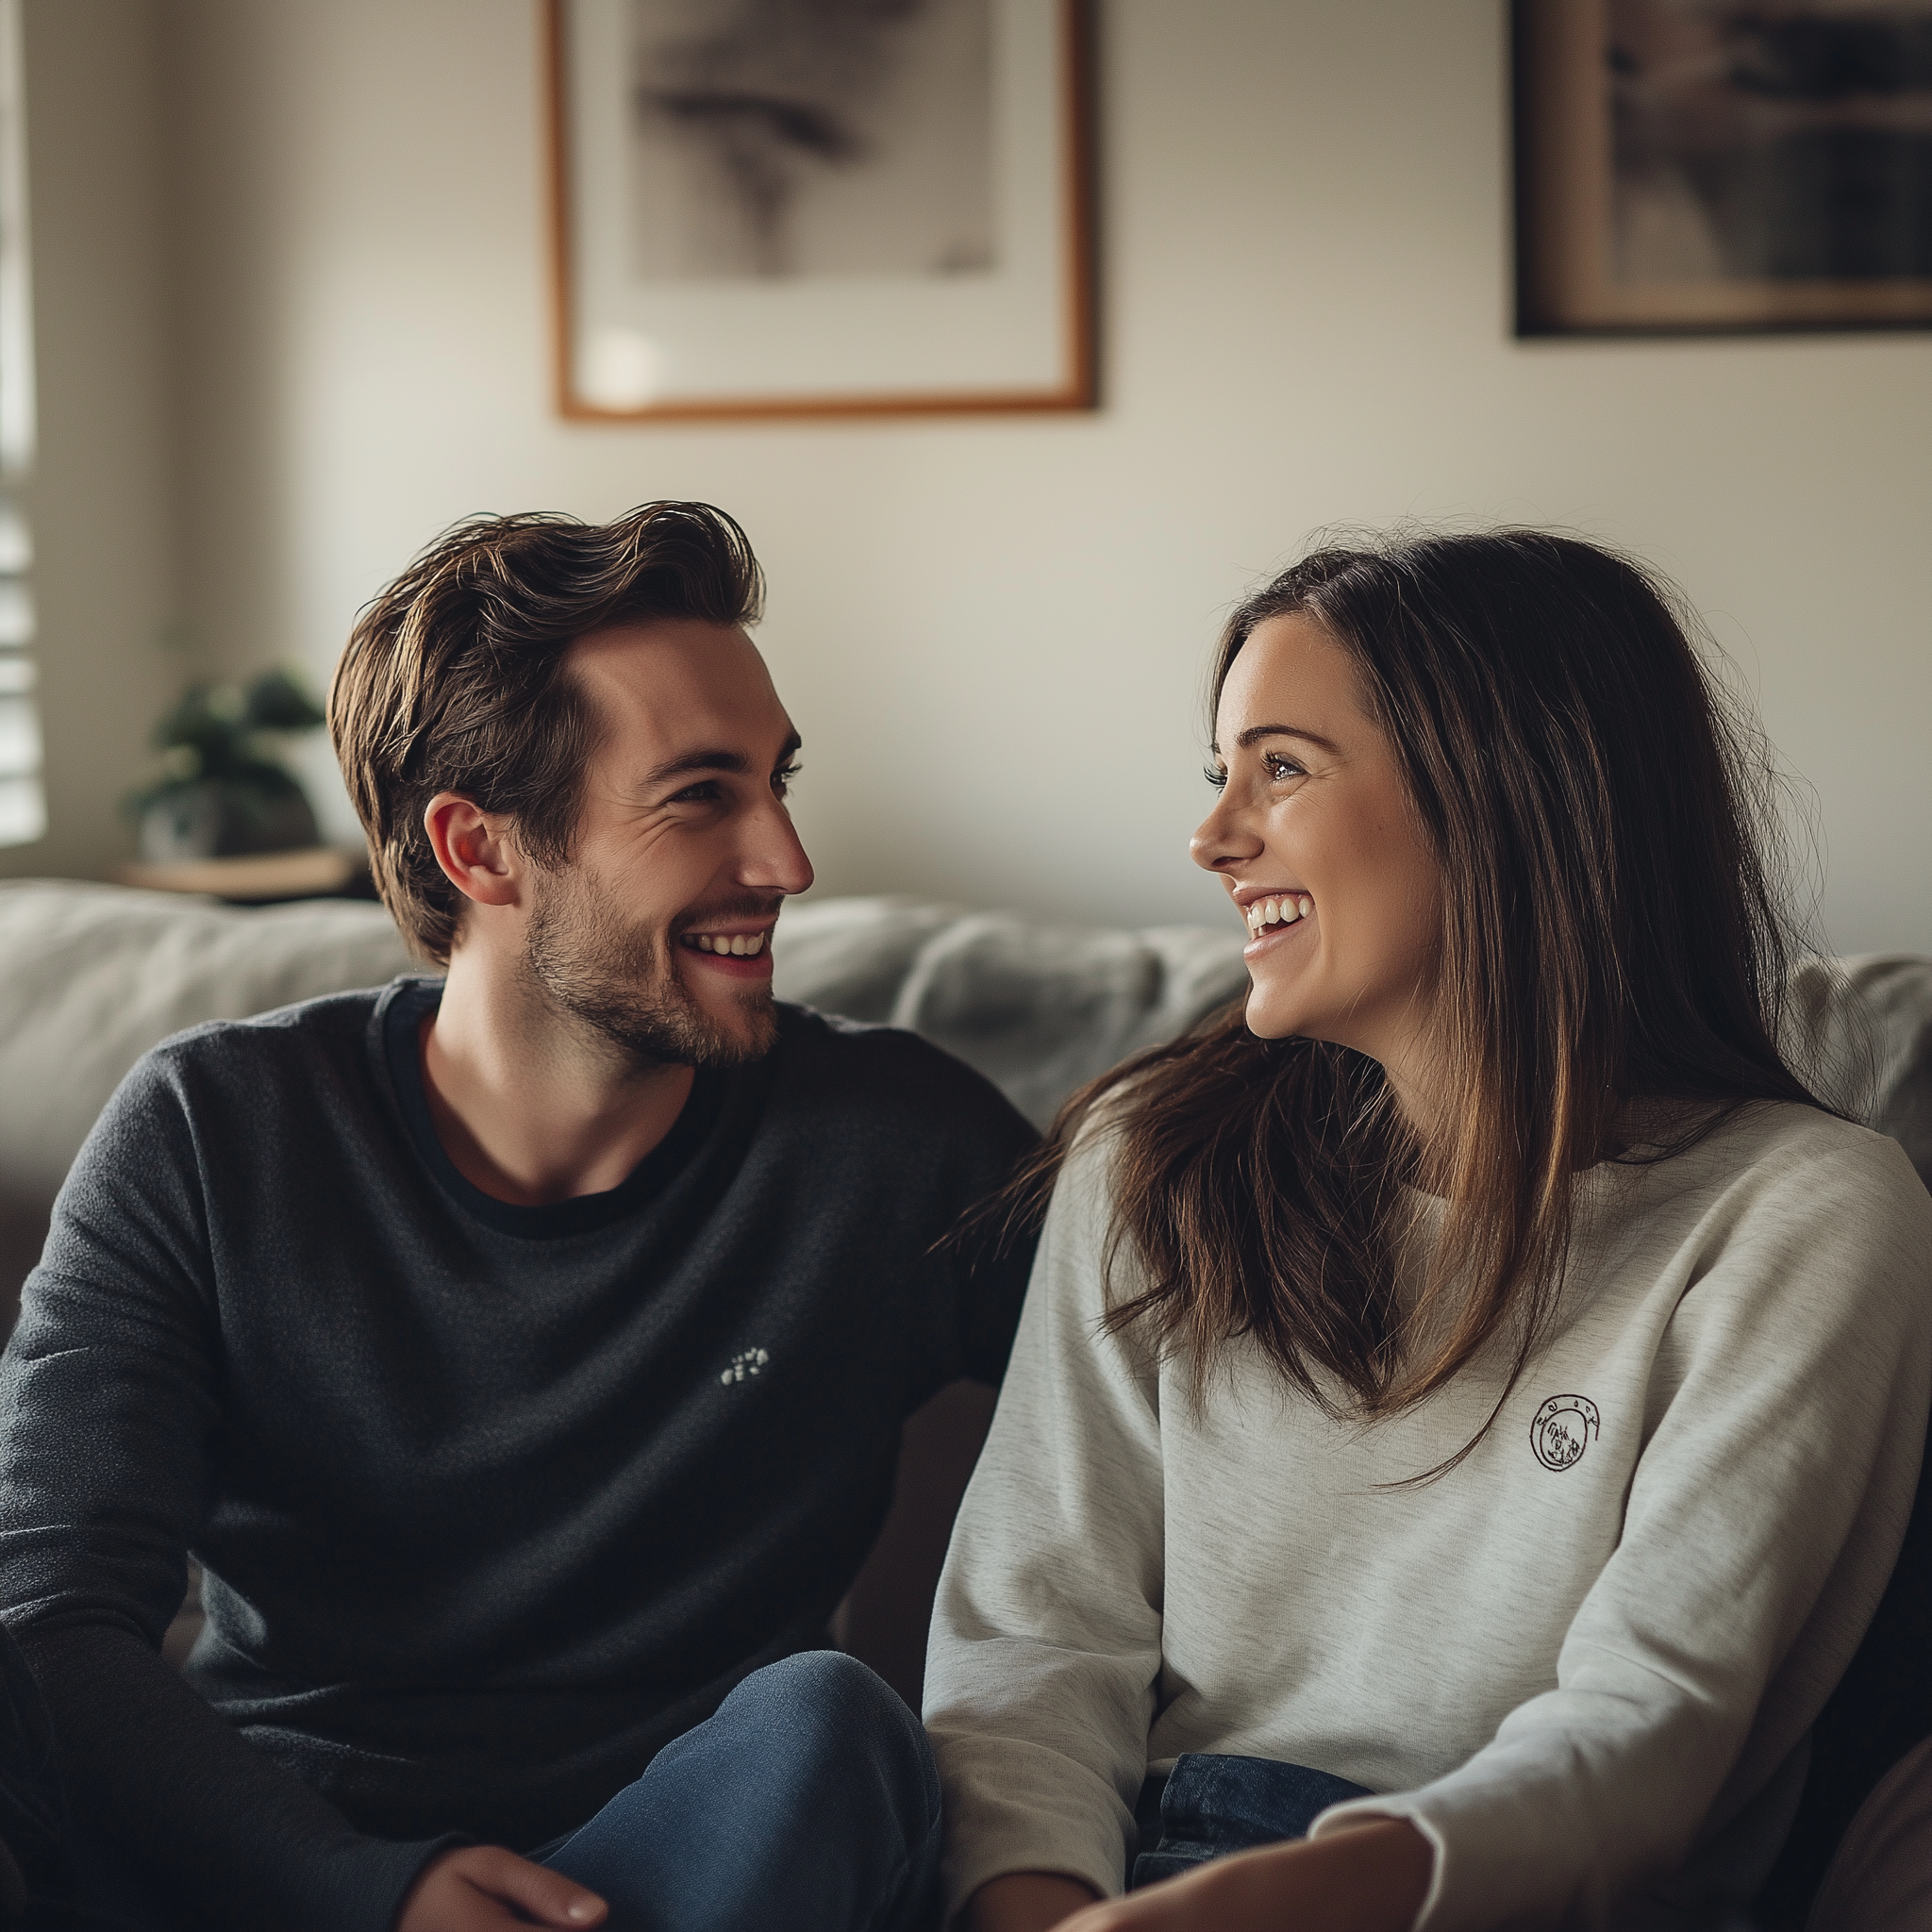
{"x": 1468, "y": 1403}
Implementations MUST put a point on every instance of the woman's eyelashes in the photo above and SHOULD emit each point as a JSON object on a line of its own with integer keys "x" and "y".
{"x": 1277, "y": 767}
{"x": 786, "y": 776}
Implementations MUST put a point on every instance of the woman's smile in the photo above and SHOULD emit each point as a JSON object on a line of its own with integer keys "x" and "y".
{"x": 1271, "y": 915}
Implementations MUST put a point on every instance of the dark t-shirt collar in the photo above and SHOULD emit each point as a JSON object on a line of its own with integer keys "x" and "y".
{"x": 399, "y": 1016}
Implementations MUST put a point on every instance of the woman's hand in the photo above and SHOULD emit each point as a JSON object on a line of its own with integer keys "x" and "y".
{"x": 483, "y": 1889}
{"x": 1024, "y": 1901}
{"x": 1372, "y": 1877}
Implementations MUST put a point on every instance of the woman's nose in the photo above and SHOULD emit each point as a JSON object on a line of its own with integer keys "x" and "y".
{"x": 1221, "y": 842}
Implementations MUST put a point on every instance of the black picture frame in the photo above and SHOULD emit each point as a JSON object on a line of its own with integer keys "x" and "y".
{"x": 1722, "y": 166}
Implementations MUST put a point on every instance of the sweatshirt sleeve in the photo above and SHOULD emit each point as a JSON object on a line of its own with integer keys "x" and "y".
{"x": 1786, "y": 1415}
{"x": 1045, "y": 1646}
{"x": 109, "y": 1397}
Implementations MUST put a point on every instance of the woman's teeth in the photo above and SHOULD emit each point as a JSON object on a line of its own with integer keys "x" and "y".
{"x": 1282, "y": 911}
{"x": 738, "y": 945}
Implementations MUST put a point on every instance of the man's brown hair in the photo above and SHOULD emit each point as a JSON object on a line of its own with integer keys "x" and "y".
{"x": 455, "y": 677}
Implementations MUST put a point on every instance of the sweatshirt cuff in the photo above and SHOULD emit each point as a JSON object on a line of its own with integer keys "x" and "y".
{"x": 1021, "y": 1808}
{"x": 361, "y": 1887}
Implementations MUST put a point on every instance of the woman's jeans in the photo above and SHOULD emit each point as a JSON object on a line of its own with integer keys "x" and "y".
{"x": 1208, "y": 1806}
{"x": 809, "y": 1800}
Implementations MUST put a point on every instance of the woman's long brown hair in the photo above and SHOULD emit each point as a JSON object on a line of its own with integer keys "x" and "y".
{"x": 1609, "y": 934}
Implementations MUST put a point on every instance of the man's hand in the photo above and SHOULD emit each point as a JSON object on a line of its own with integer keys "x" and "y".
{"x": 483, "y": 1889}
{"x": 1372, "y": 1877}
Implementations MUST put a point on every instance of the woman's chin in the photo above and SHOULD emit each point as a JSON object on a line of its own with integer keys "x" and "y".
{"x": 1286, "y": 1012}
{"x": 1270, "y": 1015}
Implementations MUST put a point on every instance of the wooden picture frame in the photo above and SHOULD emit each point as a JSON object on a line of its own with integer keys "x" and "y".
{"x": 917, "y": 239}
{"x": 1687, "y": 166}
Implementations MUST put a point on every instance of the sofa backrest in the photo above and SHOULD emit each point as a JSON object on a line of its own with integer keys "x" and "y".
{"x": 91, "y": 976}
{"x": 1863, "y": 1029}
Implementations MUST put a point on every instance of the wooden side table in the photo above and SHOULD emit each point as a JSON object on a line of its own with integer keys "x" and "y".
{"x": 315, "y": 872}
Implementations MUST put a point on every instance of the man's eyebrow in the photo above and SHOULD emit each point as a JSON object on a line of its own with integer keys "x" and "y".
{"x": 716, "y": 759}
{"x": 686, "y": 763}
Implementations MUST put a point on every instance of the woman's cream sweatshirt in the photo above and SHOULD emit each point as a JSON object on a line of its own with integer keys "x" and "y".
{"x": 1585, "y": 1662}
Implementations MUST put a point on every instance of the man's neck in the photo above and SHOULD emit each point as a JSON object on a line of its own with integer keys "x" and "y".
{"x": 530, "y": 1104}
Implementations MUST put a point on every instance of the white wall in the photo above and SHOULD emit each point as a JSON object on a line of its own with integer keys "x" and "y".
{"x": 992, "y": 632}
{"x": 102, "y": 498}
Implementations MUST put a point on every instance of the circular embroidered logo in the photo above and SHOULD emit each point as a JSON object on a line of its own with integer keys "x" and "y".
{"x": 1562, "y": 1430}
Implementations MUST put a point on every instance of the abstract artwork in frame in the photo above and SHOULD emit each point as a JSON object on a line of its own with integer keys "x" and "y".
{"x": 1687, "y": 165}
{"x": 798, "y": 208}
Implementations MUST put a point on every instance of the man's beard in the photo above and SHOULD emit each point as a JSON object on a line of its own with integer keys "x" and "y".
{"x": 608, "y": 974}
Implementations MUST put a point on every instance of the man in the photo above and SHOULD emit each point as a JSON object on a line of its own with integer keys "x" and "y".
{"x": 522, "y": 1354}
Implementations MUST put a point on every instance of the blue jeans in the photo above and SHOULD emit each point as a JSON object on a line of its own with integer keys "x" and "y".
{"x": 809, "y": 1800}
{"x": 1210, "y": 1804}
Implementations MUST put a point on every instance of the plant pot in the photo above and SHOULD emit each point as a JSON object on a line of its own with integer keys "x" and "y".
{"x": 216, "y": 821}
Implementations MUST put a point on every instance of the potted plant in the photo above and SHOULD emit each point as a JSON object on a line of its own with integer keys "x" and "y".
{"x": 220, "y": 786}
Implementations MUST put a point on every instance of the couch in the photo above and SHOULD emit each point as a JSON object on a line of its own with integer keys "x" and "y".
{"x": 91, "y": 975}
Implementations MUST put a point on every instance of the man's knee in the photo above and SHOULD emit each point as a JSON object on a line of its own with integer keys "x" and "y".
{"x": 835, "y": 1710}
{"x": 825, "y": 1688}
{"x": 831, "y": 1681}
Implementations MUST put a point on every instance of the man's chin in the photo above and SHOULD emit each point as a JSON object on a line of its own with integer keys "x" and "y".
{"x": 727, "y": 1026}
{"x": 747, "y": 1033}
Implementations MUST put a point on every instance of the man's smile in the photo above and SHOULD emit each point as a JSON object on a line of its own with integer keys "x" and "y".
{"x": 738, "y": 948}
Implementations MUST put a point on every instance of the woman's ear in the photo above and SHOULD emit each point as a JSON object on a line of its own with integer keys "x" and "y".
{"x": 474, "y": 848}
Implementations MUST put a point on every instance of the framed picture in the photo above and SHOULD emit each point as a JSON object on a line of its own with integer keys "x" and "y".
{"x": 1722, "y": 164}
{"x": 791, "y": 207}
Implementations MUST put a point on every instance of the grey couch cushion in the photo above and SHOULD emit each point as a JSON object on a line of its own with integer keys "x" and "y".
{"x": 1037, "y": 1009}
{"x": 851, "y": 956}
{"x": 91, "y": 976}
{"x": 1040, "y": 1009}
{"x": 1864, "y": 1038}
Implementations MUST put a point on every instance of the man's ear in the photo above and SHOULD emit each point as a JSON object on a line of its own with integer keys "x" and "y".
{"x": 474, "y": 848}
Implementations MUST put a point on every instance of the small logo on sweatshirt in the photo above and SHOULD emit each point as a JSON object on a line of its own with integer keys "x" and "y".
{"x": 1562, "y": 1429}
{"x": 749, "y": 1363}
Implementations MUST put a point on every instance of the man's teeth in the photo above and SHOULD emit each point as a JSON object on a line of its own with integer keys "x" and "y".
{"x": 1282, "y": 911}
{"x": 738, "y": 945}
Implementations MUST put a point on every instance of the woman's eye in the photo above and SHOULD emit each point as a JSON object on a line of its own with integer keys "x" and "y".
{"x": 1279, "y": 767}
{"x": 703, "y": 793}
{"x": 1216, "y": 775}
{"x": 782, "y": 778}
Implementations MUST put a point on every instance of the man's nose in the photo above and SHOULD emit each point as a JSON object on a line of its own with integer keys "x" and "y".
{"x": 773, "y": 859}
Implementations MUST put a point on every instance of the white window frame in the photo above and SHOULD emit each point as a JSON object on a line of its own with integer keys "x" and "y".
{"x": 22, "y": 794}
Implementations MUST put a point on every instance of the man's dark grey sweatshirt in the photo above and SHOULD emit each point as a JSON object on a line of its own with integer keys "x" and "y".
{"x": 491, "y": 1501}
